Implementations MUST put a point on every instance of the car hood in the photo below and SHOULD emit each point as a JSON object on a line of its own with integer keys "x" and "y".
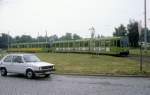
{"x": 40, "y": 64}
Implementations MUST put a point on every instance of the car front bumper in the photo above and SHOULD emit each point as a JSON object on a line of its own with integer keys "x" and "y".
{"x": 42, "y": 72}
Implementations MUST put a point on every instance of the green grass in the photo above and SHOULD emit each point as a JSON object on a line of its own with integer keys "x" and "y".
{"x": 136, "y": 52}
{"x": 88, "y": 64}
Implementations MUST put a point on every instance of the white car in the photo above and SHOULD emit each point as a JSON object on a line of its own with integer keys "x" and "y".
{"x": 27, "y": 64}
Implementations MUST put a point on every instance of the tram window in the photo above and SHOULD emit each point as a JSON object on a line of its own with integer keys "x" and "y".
{"x": 43, "y": 45}
{"x": 31, "y": 45}
{"x": 60, "y": 44}
{"x": 77, "y": 44}
{"x": 23, "y": 46}
{"x": 57, "y": 44}
{"x": 115, "y": 43}
{"x": 71, "y": 44}
{"x": 86, "y": 44}
{"x": 14, "y": 46}
{"x": 107, "y": 43}
{"x": 39, "y": 45}
{"x": 99, "y": 43}
{"x": 102, "y": 43}
{"x": 47, "y": 45}
{"x": 80, "y": 44}
{"x": 118, "y": 43}
{"x": 20, "y": 46}
{"x": 111, "y": 43}
{"x": 67, "y": 44}
{"x": 34, "y": 46}
{"x": 63, "y": 44}
{"x": 17, "y": 46}
{"x": 96, "y": 43}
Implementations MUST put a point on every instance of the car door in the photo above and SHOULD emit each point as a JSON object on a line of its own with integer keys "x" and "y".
{"x": 18, "y": 64}
{"x": 7, "y": 61}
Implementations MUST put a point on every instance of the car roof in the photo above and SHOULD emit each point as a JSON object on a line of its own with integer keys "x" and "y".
{"x": 20, "y": 54}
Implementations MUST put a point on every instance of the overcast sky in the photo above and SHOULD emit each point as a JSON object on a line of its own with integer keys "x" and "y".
{"x": 60, "y": 16}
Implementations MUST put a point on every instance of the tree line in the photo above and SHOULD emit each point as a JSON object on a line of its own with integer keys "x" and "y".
{"x": 131, "y": 30}
{"x": 6, "y": 39}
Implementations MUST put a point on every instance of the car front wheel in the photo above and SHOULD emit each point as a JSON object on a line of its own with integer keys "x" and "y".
{"x": 3, "y": 72}
{"x": 30, "y": 74}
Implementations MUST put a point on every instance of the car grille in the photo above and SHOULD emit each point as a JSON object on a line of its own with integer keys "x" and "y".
{"x": 47, "y": 68}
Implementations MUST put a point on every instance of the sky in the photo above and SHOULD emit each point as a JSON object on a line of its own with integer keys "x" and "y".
{"x": 58, "y": 17}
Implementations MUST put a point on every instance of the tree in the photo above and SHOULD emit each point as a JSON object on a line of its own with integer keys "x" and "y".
{"x": 76, "y": 37}
{"x": 98, "y": 36}
{"x": 53, "y": 38}
{"x": 67, "y": 36}
{"x": 4, "y": 40}
{"x": 120, "y": 31}
{"x": 133, "y": 33}
{"x": 17, "y": 39}
{"x": 25, "y": 39}
{"x": 148, "y": 36}
{"x": 41, "y": 39}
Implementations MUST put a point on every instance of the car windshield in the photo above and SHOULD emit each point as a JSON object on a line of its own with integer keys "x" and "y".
{"x": 31, "y": 58}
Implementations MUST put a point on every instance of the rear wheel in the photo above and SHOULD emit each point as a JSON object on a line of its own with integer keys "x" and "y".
{"x": 3, "y": 72}
{"x": 30, "y": 74}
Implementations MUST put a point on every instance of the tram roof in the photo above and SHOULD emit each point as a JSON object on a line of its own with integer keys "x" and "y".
{"x": 30, "y": 43}
{"x": 87, "y": 39}
{"x": 80, "y": 40}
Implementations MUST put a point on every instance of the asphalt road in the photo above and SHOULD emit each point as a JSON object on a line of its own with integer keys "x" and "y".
{"x": 74, "y": 85}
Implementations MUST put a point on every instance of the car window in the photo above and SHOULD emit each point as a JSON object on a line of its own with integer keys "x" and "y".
{"x": 31, "y": 58}
{"x": 8, "y": 59}
{"x": 17, "y": 59}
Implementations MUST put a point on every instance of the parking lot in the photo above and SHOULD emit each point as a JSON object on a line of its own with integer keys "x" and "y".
{"x": 74, "y": 85}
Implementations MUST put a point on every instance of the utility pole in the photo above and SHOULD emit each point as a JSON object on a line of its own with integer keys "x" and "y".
{"x": 8, "y": 40}
{"x": 92, "y": 30}
{"x": 46, "y": 35}
{"x": 140, "y": 42}
{"x": 145, "y": 24}
{"x": 38, "y": 39}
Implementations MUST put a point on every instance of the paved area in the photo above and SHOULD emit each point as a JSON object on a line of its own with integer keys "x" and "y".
{"x": 74, "y": 85}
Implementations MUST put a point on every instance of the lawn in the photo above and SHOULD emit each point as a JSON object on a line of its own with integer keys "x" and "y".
{"x": 93, "y": 64}
{"x": 136, "y": 52}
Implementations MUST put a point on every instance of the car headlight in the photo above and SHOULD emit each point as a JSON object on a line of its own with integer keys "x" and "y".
{"x": 40, "y": 68}
{"x": 53, "y": 67}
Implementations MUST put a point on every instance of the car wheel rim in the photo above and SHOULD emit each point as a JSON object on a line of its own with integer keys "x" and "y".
{"x": 29, "y": 74}
{"x": 2, "y": 71}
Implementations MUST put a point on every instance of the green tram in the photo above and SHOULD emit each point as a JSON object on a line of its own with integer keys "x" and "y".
{"x": 30, "y": 47}
{"x": 110, "y": 46}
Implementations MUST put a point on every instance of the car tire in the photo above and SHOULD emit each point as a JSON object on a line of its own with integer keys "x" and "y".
{"x": 30, "y": 74}
{"x": 47, "y": 75}
{"x": 3, "y": 72}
